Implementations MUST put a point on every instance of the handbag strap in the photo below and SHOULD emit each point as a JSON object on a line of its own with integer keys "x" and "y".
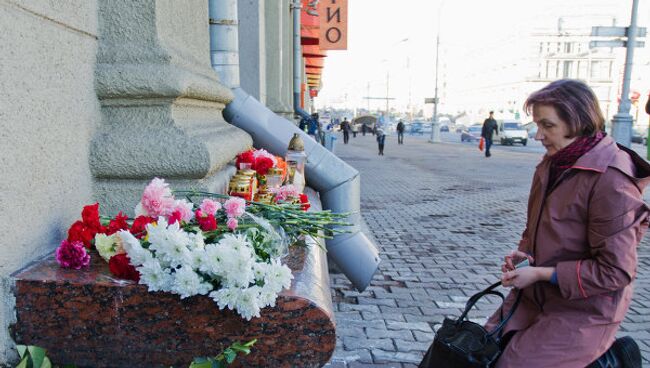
{"x": 490, "y": 291}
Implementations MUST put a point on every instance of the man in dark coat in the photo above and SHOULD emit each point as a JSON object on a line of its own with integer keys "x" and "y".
{"x": 490, "y": 126}
{"x": 400, "y": 132}
{"x": 345, "y": 127}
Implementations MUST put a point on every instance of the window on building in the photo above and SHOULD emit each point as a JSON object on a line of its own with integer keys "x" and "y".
{"x": 582, "y": 69}
{"x": 601, "y": 69}
{"x": 568, "y": 47}
{"x": 567, "y": 70}
{"x": 541, "y": 48}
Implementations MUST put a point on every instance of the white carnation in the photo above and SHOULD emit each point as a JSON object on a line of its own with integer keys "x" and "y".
{"x": 106, "y": 245}
{"x": 137, "y": 254}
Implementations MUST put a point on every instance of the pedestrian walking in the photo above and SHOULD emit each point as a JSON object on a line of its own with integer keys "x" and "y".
{"x": 400, "y": 132}
{"x": 586, "y": 217}
{"x": 381, "y": 139}
{"x": 363, "y": 129}
{"x": 345, "y": 127}
{"x": 490, "y": 127}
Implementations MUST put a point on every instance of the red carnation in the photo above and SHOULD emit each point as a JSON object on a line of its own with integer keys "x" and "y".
{"x": 263, "y": 164}
{"x": 82, "y": 233}
{"x": 90, "y": 217}
{"x": 246, "y": 157}
{"x": 206, "y": 222}
{"x": 121, "y": 267}
{"x": 139, "y": 226}
{"x": 117, "y": 224}
{"x": 304, "y": 200}
{"x": 176, "y": 216}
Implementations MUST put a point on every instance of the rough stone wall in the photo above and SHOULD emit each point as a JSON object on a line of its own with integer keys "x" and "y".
{"x": 48, "y": 113}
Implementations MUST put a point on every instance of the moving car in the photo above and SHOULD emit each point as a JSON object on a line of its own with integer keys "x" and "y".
{"x": 471, "y": 134}
{"x": 511, "y": 132}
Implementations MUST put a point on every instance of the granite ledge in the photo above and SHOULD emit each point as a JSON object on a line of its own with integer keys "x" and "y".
{"x": 91, "y": 319}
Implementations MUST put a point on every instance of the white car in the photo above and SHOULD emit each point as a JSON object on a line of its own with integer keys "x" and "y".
{"x": 511, "y": 132}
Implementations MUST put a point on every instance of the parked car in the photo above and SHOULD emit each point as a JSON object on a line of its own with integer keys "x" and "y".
{"x": 471, "y": 134}
{"x": 511, "y": 132}
{"x": 638, "y": 137}
{"x": 416, "y": 127}
{"x": 444, "y": 128}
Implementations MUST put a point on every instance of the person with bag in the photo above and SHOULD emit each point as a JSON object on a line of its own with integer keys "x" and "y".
{"x": 490, "y": 127}
{"x": 586, "y": 217}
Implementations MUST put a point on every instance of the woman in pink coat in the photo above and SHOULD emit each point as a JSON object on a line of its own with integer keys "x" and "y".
{"x": 586, "y": 217}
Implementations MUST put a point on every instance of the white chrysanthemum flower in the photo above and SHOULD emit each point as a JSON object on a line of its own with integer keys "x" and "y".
{"x": 133, "y": 248}
{"x": 169, "y": 242}
{"x": 197, "y": 241}
{"x": 236, "y": 241}
{"x": 225, "y": 297}
{"x": 212, "y": 263}
{"x": 197, "y": 257}
{"x": 248, "y": 302}
{"x": 267, "y": 297}
{"x": 106, "y": 245}
{"x": 238, "y": 267}
{"x": 188, "y": 283}
{"x": 278, "y": 276}
{"x": 154, "y": 276}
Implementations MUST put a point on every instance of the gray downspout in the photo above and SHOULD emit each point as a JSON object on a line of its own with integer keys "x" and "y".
{"x": 297, "y": 60}
{"x": 337, "y": 182}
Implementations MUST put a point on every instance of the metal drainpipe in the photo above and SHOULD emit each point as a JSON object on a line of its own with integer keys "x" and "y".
{"x": 296, "y": 7}
{"x": 337, "y": 182}
{"x": 224, "y": 44}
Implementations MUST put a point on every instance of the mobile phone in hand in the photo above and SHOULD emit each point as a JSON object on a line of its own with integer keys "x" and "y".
{"x": 524, "y": 263}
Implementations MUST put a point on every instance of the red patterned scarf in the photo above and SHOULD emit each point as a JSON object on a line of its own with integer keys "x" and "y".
{"x": 567, "y": 156}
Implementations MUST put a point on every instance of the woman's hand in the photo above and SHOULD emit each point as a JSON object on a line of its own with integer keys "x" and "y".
{"x": 513, "y": 259}
{"x": 526, "y": 276}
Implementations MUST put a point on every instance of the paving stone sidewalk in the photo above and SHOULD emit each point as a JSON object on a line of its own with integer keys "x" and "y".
{"x": 443, "y": 216}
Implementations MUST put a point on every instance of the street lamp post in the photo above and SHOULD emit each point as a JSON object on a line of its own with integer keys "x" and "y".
{"x": 435, "y": 125}
{"x": 622, "y": 120}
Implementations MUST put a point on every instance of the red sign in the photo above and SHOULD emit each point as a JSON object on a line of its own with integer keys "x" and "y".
{"x": 333, "y": 15}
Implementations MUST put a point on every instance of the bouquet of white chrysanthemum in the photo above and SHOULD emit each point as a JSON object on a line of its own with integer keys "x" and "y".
{"x": 229, "y": 271}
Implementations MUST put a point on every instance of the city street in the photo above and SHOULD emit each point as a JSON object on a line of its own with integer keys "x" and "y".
{"x": 443, "y": 217}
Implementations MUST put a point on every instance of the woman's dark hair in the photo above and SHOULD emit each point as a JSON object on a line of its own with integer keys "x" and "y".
{"x": 574, "y": 102}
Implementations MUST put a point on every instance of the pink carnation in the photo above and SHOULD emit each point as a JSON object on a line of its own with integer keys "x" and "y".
{"x": 285, "y": 192}
{"x": 232, "y": 223}
{"x": 235, "y": 206}
{"x": 185, "y": 209}
{"x": 72, "y": 255}
{"x": 157, "y": 199}
{"x": 210, "y": 207}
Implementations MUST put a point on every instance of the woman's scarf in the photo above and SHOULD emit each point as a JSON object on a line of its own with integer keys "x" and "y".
{"x": 567, "y": 156}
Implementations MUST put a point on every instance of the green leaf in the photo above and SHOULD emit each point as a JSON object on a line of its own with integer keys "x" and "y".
{"x": 21, "y": 350}
{"x": 46, "y": 363}
{"x": 37, "y": 354}
{"x": 204, "y": 364}
{"x": 230, "y": 355}
{"x": 23, "y": 363}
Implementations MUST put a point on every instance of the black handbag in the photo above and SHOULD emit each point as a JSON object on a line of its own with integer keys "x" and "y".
{"x": 464, "y": 344}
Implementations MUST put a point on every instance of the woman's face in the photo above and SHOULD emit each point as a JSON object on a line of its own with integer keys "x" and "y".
{"x": 551, "y": 130}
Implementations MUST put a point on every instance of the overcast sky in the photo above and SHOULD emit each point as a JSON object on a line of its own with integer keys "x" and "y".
{"x": 377, "y": 30}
